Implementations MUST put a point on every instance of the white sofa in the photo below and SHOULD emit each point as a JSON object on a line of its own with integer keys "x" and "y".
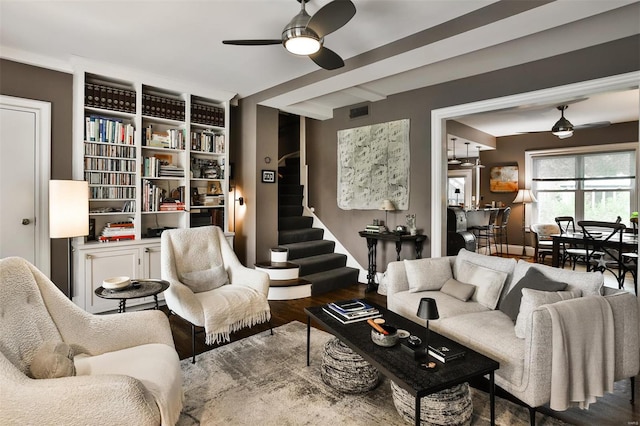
{"x": 525, "y": 362}
{"x": 119, "y": 369}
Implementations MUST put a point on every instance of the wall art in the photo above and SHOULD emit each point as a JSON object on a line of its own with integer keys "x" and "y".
{"x": 503, "y": 179}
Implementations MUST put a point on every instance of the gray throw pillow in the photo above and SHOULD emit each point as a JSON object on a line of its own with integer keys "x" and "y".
{"x": 206, "y": 280}
{"x": 427, "y": 274}
{"x": 534, "y": 279}
{"x": 460, "y": 291}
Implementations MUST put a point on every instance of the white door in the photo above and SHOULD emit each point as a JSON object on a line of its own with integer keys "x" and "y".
{"x": 25, "y": 130}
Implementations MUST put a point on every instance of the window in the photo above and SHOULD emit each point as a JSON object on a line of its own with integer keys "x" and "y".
{"x": 593, "y": 183}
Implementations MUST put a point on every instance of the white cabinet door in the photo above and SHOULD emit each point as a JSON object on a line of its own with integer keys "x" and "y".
{"x": 151, "y": 261}
{"x": 102, "y": 264}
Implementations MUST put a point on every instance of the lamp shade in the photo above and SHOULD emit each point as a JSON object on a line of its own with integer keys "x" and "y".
{"x": 68, "y": 208}
{"x": 428, "y": 309}
{"x": 387, "y": 205}
{"x": 525, "y": 196}
{"x": 456, "y": 191}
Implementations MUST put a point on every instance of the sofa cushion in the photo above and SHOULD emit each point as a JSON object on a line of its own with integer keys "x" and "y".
{"x": 532, "y": 300}
{"x": 534, "y": 279}
{"x": 492, "y": 334}
{"x": 205, "y": 280}
{"x": 427, "y": 274}
{"x": 488, "y": 282}
{"x": 460, "y": 291}
{"x": 588, "y": 283}
{"x": 503, "y": 264}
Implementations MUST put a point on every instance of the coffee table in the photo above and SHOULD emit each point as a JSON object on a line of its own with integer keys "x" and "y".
{"x": 399, "y": 365}
{"x": 138, "y": 288}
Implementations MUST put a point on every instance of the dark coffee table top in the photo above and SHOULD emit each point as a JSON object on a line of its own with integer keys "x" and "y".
{"x": 397, "y": 363}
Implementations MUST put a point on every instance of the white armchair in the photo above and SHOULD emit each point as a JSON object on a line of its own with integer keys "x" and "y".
{"x": 210, "y": 288}
{"x": 126, "y": 368}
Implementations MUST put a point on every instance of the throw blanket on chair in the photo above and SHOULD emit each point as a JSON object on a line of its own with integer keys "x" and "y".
{"x": 582, "y": 365}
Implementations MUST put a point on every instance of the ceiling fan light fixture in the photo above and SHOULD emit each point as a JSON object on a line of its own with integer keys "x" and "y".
{"x": 563, "y": 127}
{"x": 303, "y": 45}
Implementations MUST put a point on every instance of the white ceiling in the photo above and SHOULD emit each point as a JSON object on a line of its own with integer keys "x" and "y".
{"x": 388, "y": 47}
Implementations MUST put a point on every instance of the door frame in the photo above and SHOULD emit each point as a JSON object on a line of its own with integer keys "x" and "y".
{"x": 42, "y": 164}
{"x": 439, "y": 142}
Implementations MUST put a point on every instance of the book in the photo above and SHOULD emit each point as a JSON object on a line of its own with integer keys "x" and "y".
{"x": 345, "y": 320}
{"x": 445, "y": 353}
{"x": 351, "y": 306}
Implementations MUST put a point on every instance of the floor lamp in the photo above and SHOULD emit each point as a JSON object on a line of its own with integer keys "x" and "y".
{"x": 68, "y": 215}
{"x": 524, "y": 196}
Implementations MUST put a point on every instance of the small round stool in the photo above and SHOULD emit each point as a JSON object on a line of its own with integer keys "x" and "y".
{"x": 449, "y": 407}
{"x": 346, "y": 371}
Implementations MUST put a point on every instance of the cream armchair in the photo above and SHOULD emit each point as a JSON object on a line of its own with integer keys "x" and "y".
{"x": 126, "y": 368}
{"x": 210, "y": 288}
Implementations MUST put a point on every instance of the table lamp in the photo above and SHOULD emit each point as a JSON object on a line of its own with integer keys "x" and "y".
{"x": 428, "y": 310}
{"x": 524, "y": 196}
{"x": 68, "y": 215}
{"x": 457, "y": 192}
{"x": 387, "y": 206}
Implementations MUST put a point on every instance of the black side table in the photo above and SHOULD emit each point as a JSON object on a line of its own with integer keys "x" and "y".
{"x": 399, "y": 239}
{"x": 137, "y": 289}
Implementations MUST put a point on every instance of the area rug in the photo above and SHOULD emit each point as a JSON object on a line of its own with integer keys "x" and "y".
{"x": 264, "y": 380}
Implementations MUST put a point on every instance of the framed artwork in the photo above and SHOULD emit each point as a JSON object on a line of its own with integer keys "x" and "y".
{"x": 268, "y": 176}
{"x": 503, "y": 179}
{"x": 214, "y": 188}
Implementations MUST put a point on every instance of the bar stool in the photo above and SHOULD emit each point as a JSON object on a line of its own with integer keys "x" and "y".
{"x": 500, "y": 231}
{"x": 486, "y": 232}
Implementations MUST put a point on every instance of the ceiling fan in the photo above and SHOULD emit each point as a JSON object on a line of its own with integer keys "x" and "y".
{"x": 564, "y": 129}
{"x": 304, "y": 34}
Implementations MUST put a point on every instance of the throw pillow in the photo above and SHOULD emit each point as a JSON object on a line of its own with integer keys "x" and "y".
{"x": 532, "y": 300}
{"x": 488, "y": 282}
{"x": 458, "y": 290}
{"x": 534, "y": 279}
{"x": 52, "y": 360}
{"x": 427, "y": 274}
{"x": 209, "y": 279}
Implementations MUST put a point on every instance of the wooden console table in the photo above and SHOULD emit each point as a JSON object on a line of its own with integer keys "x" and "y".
{"x": 399, "y": 239}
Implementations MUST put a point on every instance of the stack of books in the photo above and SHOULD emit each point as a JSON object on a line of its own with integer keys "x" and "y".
{"x": 118, "y": 231}
{"x": 350, "y": 311}
{"x": 375, "y": 229}
{"x": 445, "y": 353}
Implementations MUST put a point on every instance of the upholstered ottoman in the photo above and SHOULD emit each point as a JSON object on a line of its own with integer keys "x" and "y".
{"x": 449, "y": 407}
{"x": 346, "y": 371}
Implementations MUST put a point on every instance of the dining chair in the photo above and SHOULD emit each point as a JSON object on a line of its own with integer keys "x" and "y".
{"x": 500, "y": 231}
{"x": 607, "y": 239}
{"x": 542, "y": 242}
{"x": 571, "y": 252}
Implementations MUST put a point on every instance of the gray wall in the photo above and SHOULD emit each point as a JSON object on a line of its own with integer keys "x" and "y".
{"x": 600, "y": 61}
{"x": 25, "y": 81}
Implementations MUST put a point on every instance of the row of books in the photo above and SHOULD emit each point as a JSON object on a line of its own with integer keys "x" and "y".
{"x": 111, "y": 98}
{"x": 155, "y": 167}
{"x": 109, "y": 178}
{"x": 170, "y": 139}
{"x": 109, "y": 165}
{"x": 107, "y": 130}
{"x": 207, "y": 142}
{"x": 109, "y": 150}
{"x": 163, "y": 107}
{"x": 350, "y": 311}
{"x": 110, "y": 193}
{"x": 207, "y": 114}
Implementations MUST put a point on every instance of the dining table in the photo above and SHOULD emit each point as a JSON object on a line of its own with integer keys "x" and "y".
{"x": 629, "y": 243}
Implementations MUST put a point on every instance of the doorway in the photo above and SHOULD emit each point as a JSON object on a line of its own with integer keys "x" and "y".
{"x": 25, "y": 140}
{"x": 439, "y": 142}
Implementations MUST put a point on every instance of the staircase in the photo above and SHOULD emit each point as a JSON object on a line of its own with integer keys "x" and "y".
{"x": 318, "y": 263}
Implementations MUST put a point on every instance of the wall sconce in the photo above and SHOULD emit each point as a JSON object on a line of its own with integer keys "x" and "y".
{"x": 240, "y": 200}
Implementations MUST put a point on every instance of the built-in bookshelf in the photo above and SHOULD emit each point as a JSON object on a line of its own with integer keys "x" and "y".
{"x": 154, "y": 157}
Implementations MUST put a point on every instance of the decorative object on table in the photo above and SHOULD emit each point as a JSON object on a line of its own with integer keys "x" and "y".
{"x": 503, "y": 179}
{"x": 428, "y": 310}
{"x": 387, "y": 340}
{"x": 411, "y": 224}
{"x": 451, "y": 406}
{"x": 268, "y": 176}
{"x": 374, "y": 164}
{"x": 116, "y": 283}
{"x": 401, "y": 229}
{"x": 346, "y": 371}
{"x": 68, "y": 216}
{"x": 387, "y": 206}
{"x": 524, "y": 196}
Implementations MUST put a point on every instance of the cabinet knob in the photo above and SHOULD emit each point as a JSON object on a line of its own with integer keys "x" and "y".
{"x": 26, "y": 221}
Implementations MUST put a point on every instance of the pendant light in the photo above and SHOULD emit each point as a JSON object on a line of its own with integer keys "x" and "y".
{"x": 563, "y": 127}
{"x": 467, "y": 162}
{"x": 478, "y": 164}
{"x": 454, "y": 160}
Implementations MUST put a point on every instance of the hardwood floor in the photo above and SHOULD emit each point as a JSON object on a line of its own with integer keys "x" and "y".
{"x": 612, "y": 409}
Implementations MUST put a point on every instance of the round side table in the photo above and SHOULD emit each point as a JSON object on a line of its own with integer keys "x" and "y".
{"x": 137, "y": 289}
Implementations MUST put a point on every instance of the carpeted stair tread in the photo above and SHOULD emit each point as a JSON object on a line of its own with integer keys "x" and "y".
{"x": 309, "y": 248}
{"x": 287, "y": 210}
{"x": 290, "y": 200}
{"x": 323, "y": 262}
{"x": 323, "y": 282}
{"x": 300, "y": 235}
{"x": 290, "y": 189}
{"x": 294, "y": 222}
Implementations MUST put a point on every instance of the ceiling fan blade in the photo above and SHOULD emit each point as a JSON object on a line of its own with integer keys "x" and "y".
{"x": 331, "y": 17}
{"x": 595, "y": 125}
{"x": 327, "y": 59}
{"x": 253, "y": 42}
